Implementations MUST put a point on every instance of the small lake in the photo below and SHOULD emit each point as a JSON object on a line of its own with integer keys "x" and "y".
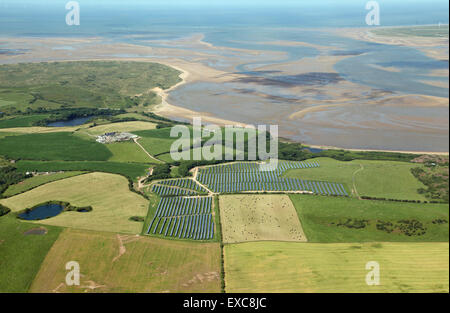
{"x": 73, "y": 122}
{"x": 42, "y": 212}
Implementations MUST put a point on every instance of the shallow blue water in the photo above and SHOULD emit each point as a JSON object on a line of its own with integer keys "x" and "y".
{"x": 73, "y": 122}
{"x": 42, "y": 212}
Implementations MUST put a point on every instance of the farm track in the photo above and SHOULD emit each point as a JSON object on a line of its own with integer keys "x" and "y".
{"x": 354, "y": 181}
{"x": 151, "y": 156}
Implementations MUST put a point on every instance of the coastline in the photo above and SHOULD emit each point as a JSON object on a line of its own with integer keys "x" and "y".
{"x": 169, "y": 110}
{"x": 194, "y": 70}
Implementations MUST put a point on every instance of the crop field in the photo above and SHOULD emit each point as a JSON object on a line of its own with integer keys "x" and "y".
{"x": 309, "y": 267}
{"x": 22, "y": 254}
{"x": 124, "y": 263}
{"x": 241, "y": 177}
{"x": 352, "y": 220}
{"x": 186, "y": 218}
{"x": 130, "y": 170}
{"x": 53, "y": 146}
{"x": 259, "y": 217}
{"x": 108, "y": 194}
{"x": 383, "y": 179}
{"x": 90, "y": 84}
{"x": 36, "y": 181}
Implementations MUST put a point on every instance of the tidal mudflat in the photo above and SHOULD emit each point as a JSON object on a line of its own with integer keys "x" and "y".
{"x": 322, "y": 87}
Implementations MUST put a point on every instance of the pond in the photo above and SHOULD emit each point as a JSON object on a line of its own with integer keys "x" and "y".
{"x": 73, "y": 122}
{"x": 42, "y": 212}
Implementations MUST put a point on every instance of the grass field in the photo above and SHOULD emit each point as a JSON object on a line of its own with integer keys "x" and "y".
{"x": 321, "y": 216}
{"x": 108, "y": 194}
{"x": 128, "y": 152}
{"x": 36, "y": 181}
{"x": 130, "y": 170}
{"x": 90, "y": 84}
{"x": 156, "y": 141}
{"x": 259, "y": 217}
{"x": 21, "y": 121}
{"x": 113, "y": 263}
{"x": 21, "y": 255}
{"x": 120, "y": 127}
{"x": 308, "y": 267}
{"x": 383, "y": 179}
{"x": 53, "y": 146}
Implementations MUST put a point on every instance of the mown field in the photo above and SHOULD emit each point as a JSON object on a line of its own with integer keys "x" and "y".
{"x": 263, "y": 267}
{"x": 108, "y": 194}
{"x": 120, "y": 263}
{"x": 381, "y": 179}
{"x": 36, "y": 181}
{"x": 21, "y": 255}
{"x": 259, "y": 217}
{"x": 114, "y": 84}
{"x": 120, "y": 127}
{"x": 130, "y": 170}
{"x": 327, "y": 219}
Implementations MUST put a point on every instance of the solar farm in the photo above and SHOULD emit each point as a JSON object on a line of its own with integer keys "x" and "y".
{"x": 178, "y": 187}
{"x": 248, "y": 177}
{"x": 183, "y": 218}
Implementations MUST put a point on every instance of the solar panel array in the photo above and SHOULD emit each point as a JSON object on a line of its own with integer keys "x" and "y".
{"x": 185, "y": 183}
{"x": 165, "y": 191}
{"x": 179, "y": 217}
{"x": 241, "y": 177}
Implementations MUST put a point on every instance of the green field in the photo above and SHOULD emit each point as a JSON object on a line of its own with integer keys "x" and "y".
{"x": 21, "y": 255}
{"x": 112, "y": 202}
{"x": 259, "y": 217}
{"x": 82, "y": 84}
{"x": 263, "y": 267}
{"x": 156, "y": 141}
{"x": 380, "y": 179}
{"x": 118, "y": 263}
{"x": 36, "y": 181}
{"x": 53, "y": 146}
{"x": 321, "y": 216}
{"x": 21, "y": 121}
{"x": 128, "y": 152}
{"x": 130, "y": 170}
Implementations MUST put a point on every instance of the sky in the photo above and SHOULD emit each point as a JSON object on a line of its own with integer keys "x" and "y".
{"x": 258, "y": 3}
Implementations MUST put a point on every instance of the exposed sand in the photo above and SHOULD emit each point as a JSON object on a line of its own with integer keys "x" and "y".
{"x": 374, "y": 150}
{"x": 192, "y": 66}
{"x": 429, "y": 45}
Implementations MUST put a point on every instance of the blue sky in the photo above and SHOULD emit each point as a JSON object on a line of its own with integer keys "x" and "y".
{"x": 278, "y": 3}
